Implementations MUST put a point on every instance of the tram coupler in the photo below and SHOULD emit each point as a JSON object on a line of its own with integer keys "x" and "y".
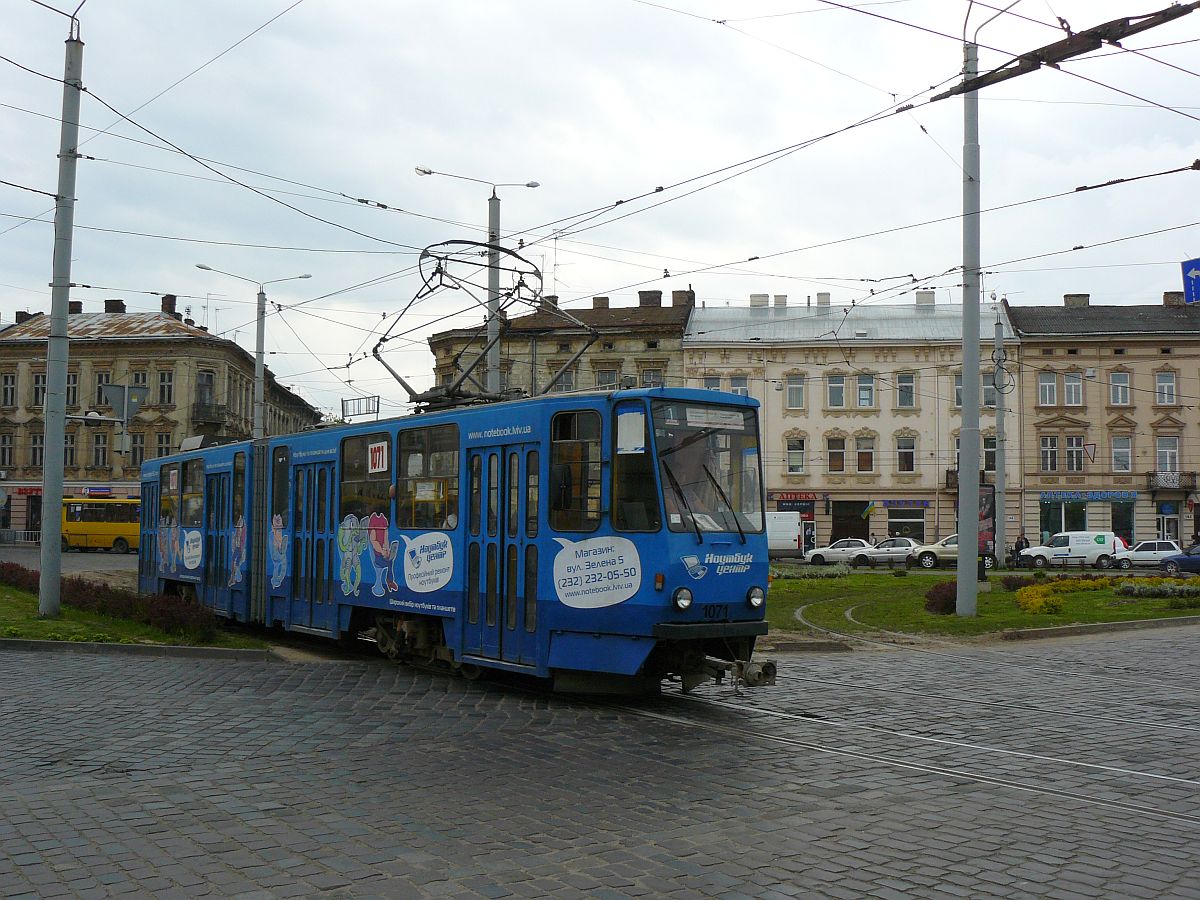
{"x": 755, "y": 674}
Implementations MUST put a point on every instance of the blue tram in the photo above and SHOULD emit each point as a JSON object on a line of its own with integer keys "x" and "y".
{"x": 603, "y": 540}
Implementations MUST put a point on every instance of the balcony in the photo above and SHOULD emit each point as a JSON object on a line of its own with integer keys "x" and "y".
{"x": 208, "y": 414}
{"x": 1170, "y": 481}
{"x": 952, "y": 478}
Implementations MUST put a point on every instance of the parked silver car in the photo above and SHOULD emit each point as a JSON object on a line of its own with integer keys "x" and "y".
{"x": 886, "y": 552}
{"x": 839, "y": 551}
{"x": 1145, "y": 553}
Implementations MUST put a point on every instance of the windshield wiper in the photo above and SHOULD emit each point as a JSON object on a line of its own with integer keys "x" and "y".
{"x": 732, "y": 511}
{"x": 682, "y": 500}
{"x": 687, "y": 441}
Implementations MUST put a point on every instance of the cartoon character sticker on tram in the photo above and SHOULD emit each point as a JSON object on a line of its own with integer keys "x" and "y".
{"x": 383, "y": 554}
{"x": 278, "y": 545}
{"x": 169, "y": 550}
{"x": 596, "y": 572}
{"x": 238, "y": 556}
{"x": 351, "y": 540}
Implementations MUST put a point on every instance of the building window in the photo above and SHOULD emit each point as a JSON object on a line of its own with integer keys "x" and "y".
{"x": 865, "y": 448}
{"x": 100, "y": 449}
{"x": 958, "y": 392}
{"x": 166, "y": 388}
{"x": 607, "y": 345}
{"x": 564, "y": 346}
{"x": 566, "y": 382}
{"x": 1166, "y": 456}
{"x": 1118, "y": 388}
{"x": 206, "y": 388}
{"x": 1164, "y": 388}
{"x": 906, "y": 454}
{"x": 712, "y": 382}
{"x": 739, "y": 385}
{"x": 606, "y": 378}
{"x": 37, "y": 450}
{"x": 652, "y": 378}
{"x": 835, "y": 454}
{"x": 866, "y": 391}
{"x": 989, "y": 454}
{"x": 835, "y": 386}
{"x": 906, "y": 390}
{"x": 1072, "y": 389}
{"x": 1047, "y": 389}
{"x": 795, "y": 392}
{"x": 69, "y": 450}
{"x": 139, "y": 379}
{"x": 988, "y": 379}
{"x": 6, "y": 449}
{"x": 162, "y": 444}
{"x": 1122, "y": 453}
{"x": 102, "y": 379}
{"x": 651, "y": 345}
{"x": 72, "y": 389}
{"x": 1049, "y": 454}
{"x": 1074, "y": 453}
{"x": 137, "y": 448}
{"x": 795, "y": 456}
{"x": 39, "y": 388}
{"x": 8, "y": 389}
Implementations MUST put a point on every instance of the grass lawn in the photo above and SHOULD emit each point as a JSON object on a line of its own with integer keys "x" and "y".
{"x": 884, "y": 601}
{"x": 19, "y": 619}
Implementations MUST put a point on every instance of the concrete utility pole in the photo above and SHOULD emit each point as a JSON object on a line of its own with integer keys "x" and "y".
{"x": 998, "y": 375}
{"x": 493, "y": 303}
{"x": 58, "y": 344}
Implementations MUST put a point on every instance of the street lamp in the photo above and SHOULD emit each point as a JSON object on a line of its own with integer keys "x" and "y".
{"x": 493, "y": 305}
{"x": 259, "y": 372}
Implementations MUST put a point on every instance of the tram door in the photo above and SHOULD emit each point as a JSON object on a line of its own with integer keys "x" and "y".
{"x": 217, "y": 525}
{"x": 312, "y": 536}
{"x": 501, "y": 604}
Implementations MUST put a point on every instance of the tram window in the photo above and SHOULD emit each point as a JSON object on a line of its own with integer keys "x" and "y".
{"x": 575, "y": 471}
{"x": 192, "y": 511}
{"x": 365, "y": 476}
{"x": 279, "y": 484}
{"x": 634, "y": 495}
{"x": 531, "y": 493}
{"x": 239, "y": 486}
{"x": 473, "y": 583}
{"x": 531, "y": 579}
{"x": 322, "y": 490}
{"x": 427, "y": 478}
{"x": 476, "y": 487}
{"x": 298, "y": 495}
{"x": 493, "y": 498}
{"x": 168, "y": 504}
{"x": 514, "y": 491}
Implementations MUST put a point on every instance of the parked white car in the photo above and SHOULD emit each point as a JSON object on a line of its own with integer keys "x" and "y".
{"x": 839, "y": 551}
{"x": 1145, "y": 553}
{"x": 1074, "y": 548}
{"x": 886, "y": 552}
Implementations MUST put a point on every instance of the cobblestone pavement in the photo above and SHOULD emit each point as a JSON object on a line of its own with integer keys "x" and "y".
{"x": 178, "y": 777}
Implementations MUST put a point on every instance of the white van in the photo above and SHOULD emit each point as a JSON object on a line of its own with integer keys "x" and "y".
{"x": 1092, "y": 548}
{"x": 784, "y": 535}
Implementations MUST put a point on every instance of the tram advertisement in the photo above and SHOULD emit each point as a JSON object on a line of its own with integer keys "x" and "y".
{"x": 597, "y": 572}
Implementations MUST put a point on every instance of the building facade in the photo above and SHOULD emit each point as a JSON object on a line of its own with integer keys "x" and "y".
{"x": 197, "y": 383}
{"x": 1108, "y": 417}
{"x": 642, "y": 343}
{"x": 861, "y": 408}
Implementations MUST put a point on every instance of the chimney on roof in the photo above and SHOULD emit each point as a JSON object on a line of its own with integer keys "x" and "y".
{"x": 1076, "y": 301}
{"x": 926, "y": 298}
{"x": 781, "y": 299}
{"x": 168, "y": 304}
{"x": 822, "y": 303}
{"x": 649, "y": 298}
{"x": 1173, "y": 298}
{"x": 757, "y": 300}
{"x": 683, "y": 298}
{"x": 74, "y": 307}
{"x": 549, "y": 301}
{"x": 24, "y": 315}
{"x": 189, "y": 321}
{"x": 114, "y": 305}
{"x": 599, "y": 303}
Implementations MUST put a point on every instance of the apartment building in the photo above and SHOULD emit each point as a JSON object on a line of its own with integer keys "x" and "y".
{"x": 861, "y": 407}
{"x": 198, "y": 384}
{"x": 1108, "y": 417}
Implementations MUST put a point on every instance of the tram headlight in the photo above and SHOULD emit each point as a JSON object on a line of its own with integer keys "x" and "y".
{"x": 682, "y": 598}
{"x": 756, "y": 596}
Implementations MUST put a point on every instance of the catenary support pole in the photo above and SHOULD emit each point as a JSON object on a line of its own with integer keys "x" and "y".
{"x": 493, "y": 306}
{"x": 58, "y": 345}
{"x": 968, "y": 460}
{"x": 259, "y": 367}
{"x": 998, "y": 377}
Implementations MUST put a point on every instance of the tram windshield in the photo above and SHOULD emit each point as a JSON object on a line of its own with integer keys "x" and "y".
{"x": 709, "y": 466}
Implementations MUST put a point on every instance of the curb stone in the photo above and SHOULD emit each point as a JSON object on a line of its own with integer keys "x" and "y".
{"x": 1022, "y": 634}
{"x": 176, "y": 650}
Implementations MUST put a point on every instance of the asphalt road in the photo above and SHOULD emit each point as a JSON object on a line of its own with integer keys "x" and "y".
{"x": 1065, "y": 768}
{"x": 73, "y": 562}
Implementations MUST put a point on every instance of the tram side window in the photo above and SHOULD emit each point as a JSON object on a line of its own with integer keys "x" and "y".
{"x": 192, "y": 511}
{"x": 239, "y": 487}
{"x": 575, "y": 471}
{"x": 635, "y": 496}
{"x": 365, "y": 476}
{"x": 168, "y": 501}
{"x": 280, "y": 461}
{"x": 427, "y": 478}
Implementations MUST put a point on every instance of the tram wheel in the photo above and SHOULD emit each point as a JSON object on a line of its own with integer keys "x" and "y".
{"x": 470, "y": 671}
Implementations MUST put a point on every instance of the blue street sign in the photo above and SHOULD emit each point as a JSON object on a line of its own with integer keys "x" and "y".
{"x": 1191, "y": 281}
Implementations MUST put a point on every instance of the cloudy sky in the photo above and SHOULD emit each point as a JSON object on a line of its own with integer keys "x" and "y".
{"x": 599, "y": 101}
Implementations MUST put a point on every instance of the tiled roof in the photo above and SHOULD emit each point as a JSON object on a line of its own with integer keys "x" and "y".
{"x": 1032, "y": 321}
{"x": 669, "y": 318}
{"x": 106, "y": 326}
{"x": 840, "y": 323}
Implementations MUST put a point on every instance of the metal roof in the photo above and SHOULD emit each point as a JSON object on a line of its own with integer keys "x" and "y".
{"x": 1033, "y": 321}
{"x": 838, "y": 323}
{"x": 107, "y": 326}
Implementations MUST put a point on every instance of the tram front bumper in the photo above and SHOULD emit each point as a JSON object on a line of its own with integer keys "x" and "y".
{"x": 691, "y": 631}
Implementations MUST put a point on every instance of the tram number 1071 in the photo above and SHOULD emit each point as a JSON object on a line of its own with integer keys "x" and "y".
{"x": 716, "y": 610}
